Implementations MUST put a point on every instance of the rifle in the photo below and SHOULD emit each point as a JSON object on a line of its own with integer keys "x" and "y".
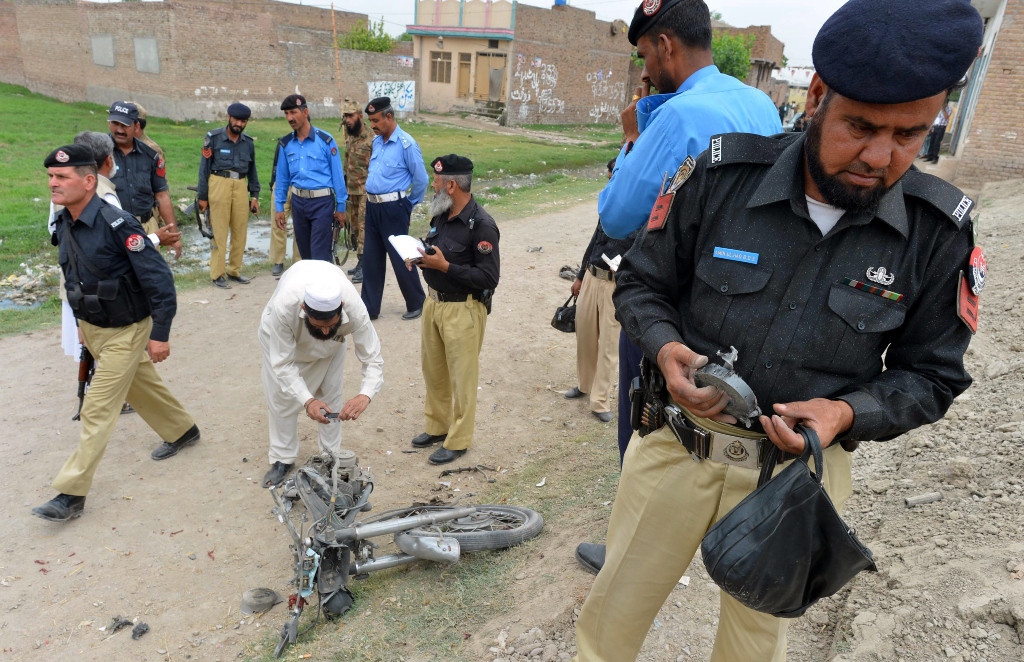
{"x": 86, "y": 369}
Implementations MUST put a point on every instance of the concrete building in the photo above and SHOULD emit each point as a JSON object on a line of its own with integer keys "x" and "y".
{"x": 798, "y": 79}
{"x": 526, "y": 64}
{"x": 987, "y": 134}
{"x": 765, "y": 55}
{"x": 188, "y": 59}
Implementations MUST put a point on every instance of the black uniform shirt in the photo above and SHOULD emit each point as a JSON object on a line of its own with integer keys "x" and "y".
{"x": 105, "y": 233}
{"x": 602, "y": 244}
{"x": 801, "y": 332}
{"x": 140, "y": 176}
{"x": 469, "y": 241}
{"x": 225, "y": 154}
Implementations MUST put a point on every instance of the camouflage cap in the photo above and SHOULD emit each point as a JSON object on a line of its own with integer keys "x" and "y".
{"x": 350, "y": 107}
{"x": 142, "y": 111}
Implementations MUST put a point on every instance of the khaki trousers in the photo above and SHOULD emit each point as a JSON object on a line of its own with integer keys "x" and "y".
{"x": 152, "y": 225}
{"x": 452, "y": 335}
{"x": 597, "y": 341}
{"x": 229, "y": 212}
{"x": 279, "y": 238}
{"x": 355, "y": 209}
{"x": 123, "y": 372}
{"x": 665, "y": 504}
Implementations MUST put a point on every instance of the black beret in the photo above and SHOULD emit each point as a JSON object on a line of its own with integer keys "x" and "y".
{"x": 896, "y": 51}
{"x": 293, "y": 101}
{"x": 646, "y": 15}
{"x": 239, "y": 111}
{"x": 452, "y": 164}
{"x": 123, "y": 112}
{"x": 377, "y": 105}
{"x": 70, "y": 155}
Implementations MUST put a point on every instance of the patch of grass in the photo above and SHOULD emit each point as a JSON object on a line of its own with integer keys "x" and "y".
{"x": 30, "y": 319}
{"x": 611, "y": 133}
{"x": 497, "y": 190}
{"x": 553, "y": 177}
{"x": 425, "y": 610}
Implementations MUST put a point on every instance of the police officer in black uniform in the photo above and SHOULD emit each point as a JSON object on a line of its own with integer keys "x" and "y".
{"x": 141, "y": 176}
{"x": 846, "y": 280}
{"x": 122, "y": 294}
{"x": 461, "y": 267}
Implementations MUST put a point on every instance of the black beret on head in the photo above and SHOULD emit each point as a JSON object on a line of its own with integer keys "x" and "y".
{"x": 293, "y": 101}
{"x": 70, "y": 155}
{"x": 452, "y": 164}
{"x": 239, "y": 111}
{"x": 896, "y": 51}
{"x": 377, "y": 105}
{"x": 646, "y": 15}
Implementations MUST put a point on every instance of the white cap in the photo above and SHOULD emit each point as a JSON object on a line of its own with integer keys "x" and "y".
{"x": 324, "y": 295}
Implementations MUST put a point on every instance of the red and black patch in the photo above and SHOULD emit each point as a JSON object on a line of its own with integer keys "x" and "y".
{"x": 161, "y": 168}
{"x": 485, "y": 247}
{"x": 207, "y": 152}
{"x": 135, "y": 243}
{"x": 334, "y": 151}
{"x": 977, "y": 270}
{"x": 659, "y": 212}
{"x": 967, "y": 305}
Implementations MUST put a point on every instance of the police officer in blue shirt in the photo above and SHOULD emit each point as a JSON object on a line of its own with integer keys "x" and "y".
{"x": 661, "y": 131}
{"x": 396, "y": 165}
{"x": 310, "y": 169}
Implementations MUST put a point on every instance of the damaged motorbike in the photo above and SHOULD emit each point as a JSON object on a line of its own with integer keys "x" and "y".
{"x": 331, "y": 546}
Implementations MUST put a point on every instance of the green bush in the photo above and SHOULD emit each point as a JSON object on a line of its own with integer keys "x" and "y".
{"x": 731, "y": 53}
{"x": 367, "y": 38}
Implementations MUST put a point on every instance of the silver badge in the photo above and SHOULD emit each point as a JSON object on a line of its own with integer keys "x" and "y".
{"x": 736, "y": 452}
{"x": 880, "y": 276}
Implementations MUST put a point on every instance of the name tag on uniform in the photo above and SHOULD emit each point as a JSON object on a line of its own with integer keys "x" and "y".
{"x": 659, "y": 212}
{"x": 735, "y": 255}
{"x": 225, "y": 151}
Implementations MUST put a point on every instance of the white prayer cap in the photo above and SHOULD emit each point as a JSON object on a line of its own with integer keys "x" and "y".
{"x": 324, "y": 295}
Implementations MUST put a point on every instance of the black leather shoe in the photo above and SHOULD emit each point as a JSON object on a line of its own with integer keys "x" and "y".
{"x": 413, "y": 314}
{"x": 127, "y": 408}
{"x": 357, "y": 275}
{"x": 61, "y": 508}
{"x": 604, "y": 416}
{"x": 240, "y": 279}
{"x": 424, "y": 440}
{"x": 222, "y": 283}
{"x": 166, "y": 450}
{"x": 358, "y": 267}
{"x": 277, "y": 474}
{"x": 277, "y": 270}
{"x": 574, "y": 393}
{"x": 590, "y": 556}
{"x": 443, "y": 456}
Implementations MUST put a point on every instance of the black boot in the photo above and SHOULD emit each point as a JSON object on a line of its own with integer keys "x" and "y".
{"x": 443, "y": 456}
{"x": 277, "y": 474}
{"x": 61, "y": 508}
{"x": 166, "y": 450}
{"x": 357, "y": 274}
{"x": 358, "y": 267}
{"x": 590, "y": 556}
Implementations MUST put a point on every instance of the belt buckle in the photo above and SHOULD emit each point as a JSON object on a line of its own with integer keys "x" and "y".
{"x": 433, "y": 294}
{"x": 735, "y": 450}
{"x": 675, "y": 420}
{"x": 234, "y": 175}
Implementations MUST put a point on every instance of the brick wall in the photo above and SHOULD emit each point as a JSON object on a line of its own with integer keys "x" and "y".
{"x": 11, "y": 70}
{"x": 211, "y": 53}
{"x": 765, "y": 55}
{"x": 994, "y": 148}
{"x": 582, "y": 74}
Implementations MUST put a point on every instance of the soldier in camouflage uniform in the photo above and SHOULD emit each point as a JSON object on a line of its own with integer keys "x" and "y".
{"x": 358, "y": 143}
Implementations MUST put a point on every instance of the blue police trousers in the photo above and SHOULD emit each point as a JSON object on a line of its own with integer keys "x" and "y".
{"x": 312, "y": 219}
{"x": 384, "y": 219}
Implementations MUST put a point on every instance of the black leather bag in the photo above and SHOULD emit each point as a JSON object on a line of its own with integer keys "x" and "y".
{"x": 784, "y": 547}
{"x": 565, "y": 317}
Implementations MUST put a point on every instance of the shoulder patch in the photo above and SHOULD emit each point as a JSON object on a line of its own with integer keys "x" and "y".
{"x": 682, "y": 174}
{"x": 116, "y": 223}
{"x": 729, "y": 148}
{"x": 484, "y": 247}
{"x": 135, "y": 243}
{"x": 947, "y": 199}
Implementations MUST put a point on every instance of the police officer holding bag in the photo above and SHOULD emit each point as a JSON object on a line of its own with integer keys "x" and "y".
{"x": 846, "y": 280}
{"x": 122, "y": 295}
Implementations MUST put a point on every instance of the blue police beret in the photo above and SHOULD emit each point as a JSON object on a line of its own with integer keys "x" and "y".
{"x": 895, "y": 51}
{"x": 239, "y": 111}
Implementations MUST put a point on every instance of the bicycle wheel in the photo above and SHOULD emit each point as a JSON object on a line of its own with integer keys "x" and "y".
{"x": 491, "y": 527}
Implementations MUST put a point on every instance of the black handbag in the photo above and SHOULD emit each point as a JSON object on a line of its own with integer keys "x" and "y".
{"x": 784, "y": 547}
{"x": 565, "y": 316}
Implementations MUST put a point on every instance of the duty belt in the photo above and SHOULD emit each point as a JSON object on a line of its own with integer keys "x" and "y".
{"x": 718, "y": 446}
{"x": 386, "y": 197}
{"x": 602, "y": 274}
{"x": 229, "y": 174}
{"x": 312, "y": 193}
{"x": 445, "y": 297}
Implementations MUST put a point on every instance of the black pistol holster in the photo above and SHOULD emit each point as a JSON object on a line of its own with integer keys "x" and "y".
{"x": 647, "y": 398}
{"x": 486, "y": 297}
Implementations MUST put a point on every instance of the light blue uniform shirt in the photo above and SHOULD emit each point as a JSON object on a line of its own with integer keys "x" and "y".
{"x": 672, "y": 127}
{"x": 395, "y": 164}
{"x": 310, "y": 164}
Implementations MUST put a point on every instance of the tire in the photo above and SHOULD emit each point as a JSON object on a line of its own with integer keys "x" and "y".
{"x": 501, "y": 527}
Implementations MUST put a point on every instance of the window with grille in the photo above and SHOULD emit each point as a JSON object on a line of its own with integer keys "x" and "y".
{"x": 440, "y": 67}
{"x": 492, "y": 43}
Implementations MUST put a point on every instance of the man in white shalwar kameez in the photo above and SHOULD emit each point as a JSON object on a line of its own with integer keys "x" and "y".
{"x": 304, "y": 333}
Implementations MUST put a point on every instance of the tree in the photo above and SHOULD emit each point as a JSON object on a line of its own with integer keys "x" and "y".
{"x": 716, "y": 15}
{"x": 731, "y": 53}
{"x": 367, "y": 38}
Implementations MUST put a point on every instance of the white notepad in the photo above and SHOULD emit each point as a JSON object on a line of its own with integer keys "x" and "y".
{"x": 407, "y": 246}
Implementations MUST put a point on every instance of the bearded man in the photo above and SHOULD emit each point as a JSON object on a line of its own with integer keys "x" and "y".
{"x": 304, "y": 334}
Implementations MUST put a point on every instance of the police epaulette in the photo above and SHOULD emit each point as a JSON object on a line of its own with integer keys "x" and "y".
{"x": 947, "y": 199}
{"x": 285, "y": 139}
{"x": 744, "y": 148}
{"x": 324, "y": 136}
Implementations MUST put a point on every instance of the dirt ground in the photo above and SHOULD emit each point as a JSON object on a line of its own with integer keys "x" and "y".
{"x": 949, "y": 585}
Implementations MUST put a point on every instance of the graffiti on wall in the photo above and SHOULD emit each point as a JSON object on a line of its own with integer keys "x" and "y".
{"x": 608, "y": 96}
{"x": 401, "y": 92}
{"x": 536, "y": 82}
